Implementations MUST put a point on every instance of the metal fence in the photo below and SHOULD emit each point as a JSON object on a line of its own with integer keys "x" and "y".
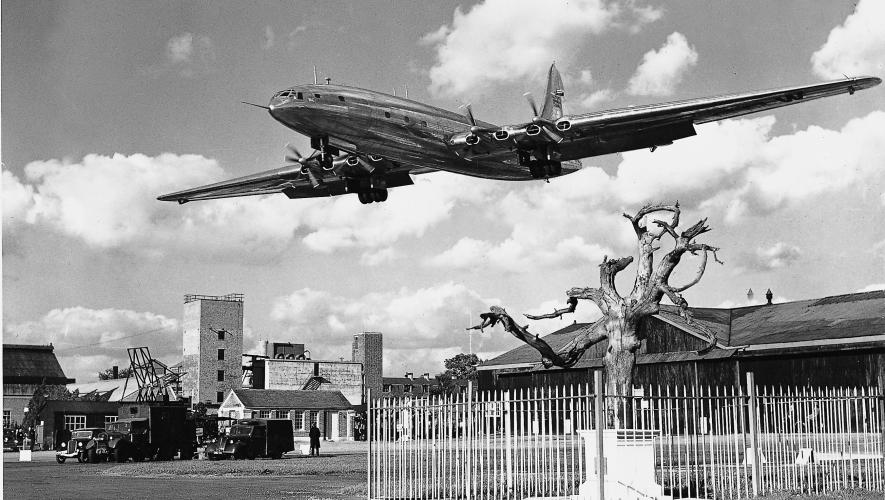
{"x": 700, "y": 442}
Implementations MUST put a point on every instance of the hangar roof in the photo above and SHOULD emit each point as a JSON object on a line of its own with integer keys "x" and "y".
{"x": 836, "y": 320}
{"x": 32, "y": 364}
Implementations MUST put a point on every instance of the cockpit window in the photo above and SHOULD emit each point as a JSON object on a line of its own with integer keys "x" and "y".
{"x": 387, "y": 114}
{"x": 423, "y": 123}
{"x": 299, "y": 96}
{"x": 341, "y": 98}
{"x": 406, "y": 119}
{"x": 317, "y": 96}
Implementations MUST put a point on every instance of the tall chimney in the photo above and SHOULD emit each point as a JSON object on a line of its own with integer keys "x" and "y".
{"x": 409, "y": 375}
{"x": 769, "y": 295}
{"x": 426, "y": 376}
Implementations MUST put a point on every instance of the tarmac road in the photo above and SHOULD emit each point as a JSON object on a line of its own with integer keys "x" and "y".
{"x": 43, "y": 478}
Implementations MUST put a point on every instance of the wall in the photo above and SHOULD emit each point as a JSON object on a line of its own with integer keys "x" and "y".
{"x": 368, "y": 349}
{"x": 200, "y": 346}
{"x": 290, "y": 374}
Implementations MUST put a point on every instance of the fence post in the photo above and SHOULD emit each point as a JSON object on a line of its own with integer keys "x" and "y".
{"x": 600, "y": 426}
{"x": 369, "y": 439}
{"x": 508, "y": 428}
{"x": 468, "y": 429}
{"x": 754, "y": 439}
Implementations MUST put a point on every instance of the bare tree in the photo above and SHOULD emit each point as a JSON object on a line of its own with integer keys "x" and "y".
{"x": 621, "y": 314}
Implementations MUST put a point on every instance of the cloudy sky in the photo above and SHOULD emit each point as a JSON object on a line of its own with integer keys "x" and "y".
{"x": 106, "y": 105}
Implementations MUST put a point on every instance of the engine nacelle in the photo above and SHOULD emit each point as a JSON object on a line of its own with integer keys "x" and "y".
{"x": 465, "y": 139}
{"x": 563, "y": 125}
{"x": 532, "y": 130}
{"x": 356, "y": 161}
{"x": 512, "y": 134}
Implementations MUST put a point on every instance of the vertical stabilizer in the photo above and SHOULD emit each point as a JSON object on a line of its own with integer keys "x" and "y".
{"x": 552, "y": 109}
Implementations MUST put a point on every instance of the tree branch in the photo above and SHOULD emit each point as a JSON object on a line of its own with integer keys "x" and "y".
{"x": 650, "y": 209}
{"x": 607, "y": 271}
{"x": 694, "y": 248}
{"x": 548, "y": 356}
{"x": 557, "y": 313}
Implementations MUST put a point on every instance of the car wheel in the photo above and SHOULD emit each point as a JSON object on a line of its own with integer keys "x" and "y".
{"x": 60, "y": 459}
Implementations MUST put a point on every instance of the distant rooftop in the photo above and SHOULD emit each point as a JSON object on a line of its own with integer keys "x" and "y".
{"x": 231, "y": 297}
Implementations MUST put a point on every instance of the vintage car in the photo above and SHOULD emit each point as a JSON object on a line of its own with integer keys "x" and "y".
{"x": 76, "y": 446}
{"x": 10, "y": 440}
{"x": 252, "y": 438}
{"x": 108, "y": 446}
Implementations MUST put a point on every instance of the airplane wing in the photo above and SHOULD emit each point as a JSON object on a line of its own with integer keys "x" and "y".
{"x": 297, "y": 181}
{"x": 709, "y": 109}
{"x": 653, "y": 124}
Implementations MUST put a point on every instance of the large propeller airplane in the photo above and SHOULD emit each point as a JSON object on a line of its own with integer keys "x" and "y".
{"x": 366, "y": 142}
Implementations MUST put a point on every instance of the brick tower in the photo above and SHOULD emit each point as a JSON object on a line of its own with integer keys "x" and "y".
{"x": 368, "y": 350}
{"x": 212, "y": 346}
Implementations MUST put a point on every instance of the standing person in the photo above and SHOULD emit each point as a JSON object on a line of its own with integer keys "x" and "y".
{"x": 314, "y": 440}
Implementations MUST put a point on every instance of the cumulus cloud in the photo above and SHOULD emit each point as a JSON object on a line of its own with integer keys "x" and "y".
{"x": 855, "y": 48}
{"x": 735, "y": 167}
{"x": 269, "y": 38}
{"x": 776, "y": 256}
{"x": 344, "y": 223}
{"x": 190, "y": 54}
{"x": 875, "y": 287}
{"x": 589, "y": 101}
{"x": 378, "y": 257}
{"x": 487, "y": 44}
{"x": 90, "y": 340}
{"x": 110, "y": 202}
{"x": 421, "y": 327}
{"x": 662, "y": 70}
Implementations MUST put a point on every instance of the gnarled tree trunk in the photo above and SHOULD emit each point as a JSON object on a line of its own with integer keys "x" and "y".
{"x": 621, "y": 315}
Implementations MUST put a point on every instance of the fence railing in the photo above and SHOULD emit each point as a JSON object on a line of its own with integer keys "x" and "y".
{"x": 699, "y": 442}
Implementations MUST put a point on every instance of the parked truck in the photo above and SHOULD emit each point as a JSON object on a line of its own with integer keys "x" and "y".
{"x": 252, "y": 438}
{"x": 151, "y": 431}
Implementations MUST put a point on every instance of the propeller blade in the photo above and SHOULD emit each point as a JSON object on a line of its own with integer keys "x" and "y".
{"x": 551, "y": 134}
{"x": 293, "y": 159}
{"x": 469, "y": 112}
{"x": 531, "y": 100}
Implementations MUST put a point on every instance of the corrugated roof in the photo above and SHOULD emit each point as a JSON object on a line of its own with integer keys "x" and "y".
{"x": 838, "y": 317}
{"x": 301, "y": 400}
{"x": 831, "y": 318}
{"x": 30, "y": 364}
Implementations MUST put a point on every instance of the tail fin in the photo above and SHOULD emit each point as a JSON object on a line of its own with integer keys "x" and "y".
{"x": 552, "y": 109}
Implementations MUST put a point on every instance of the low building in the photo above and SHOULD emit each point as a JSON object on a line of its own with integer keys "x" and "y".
{"x": 26, "y": 368}
{"x": 410, "y": 386}
{"x": 328, "y": 409}
{"x": 72, "y": 415}
{"x": 831, "y": 341}
{"x": 307, "y": 374}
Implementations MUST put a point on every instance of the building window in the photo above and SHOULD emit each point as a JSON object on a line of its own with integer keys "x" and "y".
{"x": 219, "y": 396}
{"x": 74, "y": 422}
{"x": 221, "y": 375}
{"x": 426, "y": 388}
{"x": 221, "y": 355}
{"x": 386, "y": 388}
{"x": 306, "y": 422}
{"x": 109, "y": 418}
{"x": 7, "y": 418}
{"x": 264, "y": 413}
{"x": 407, "y": 388}
{"x": 220, "y": 334}
{"x": 297, "y": 419}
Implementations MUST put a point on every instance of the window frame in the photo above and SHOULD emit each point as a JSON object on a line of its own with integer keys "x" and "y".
{"x": 75, "y": 422}
{"x": 220, "y": 354}
{"x": 220, "y": 375}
